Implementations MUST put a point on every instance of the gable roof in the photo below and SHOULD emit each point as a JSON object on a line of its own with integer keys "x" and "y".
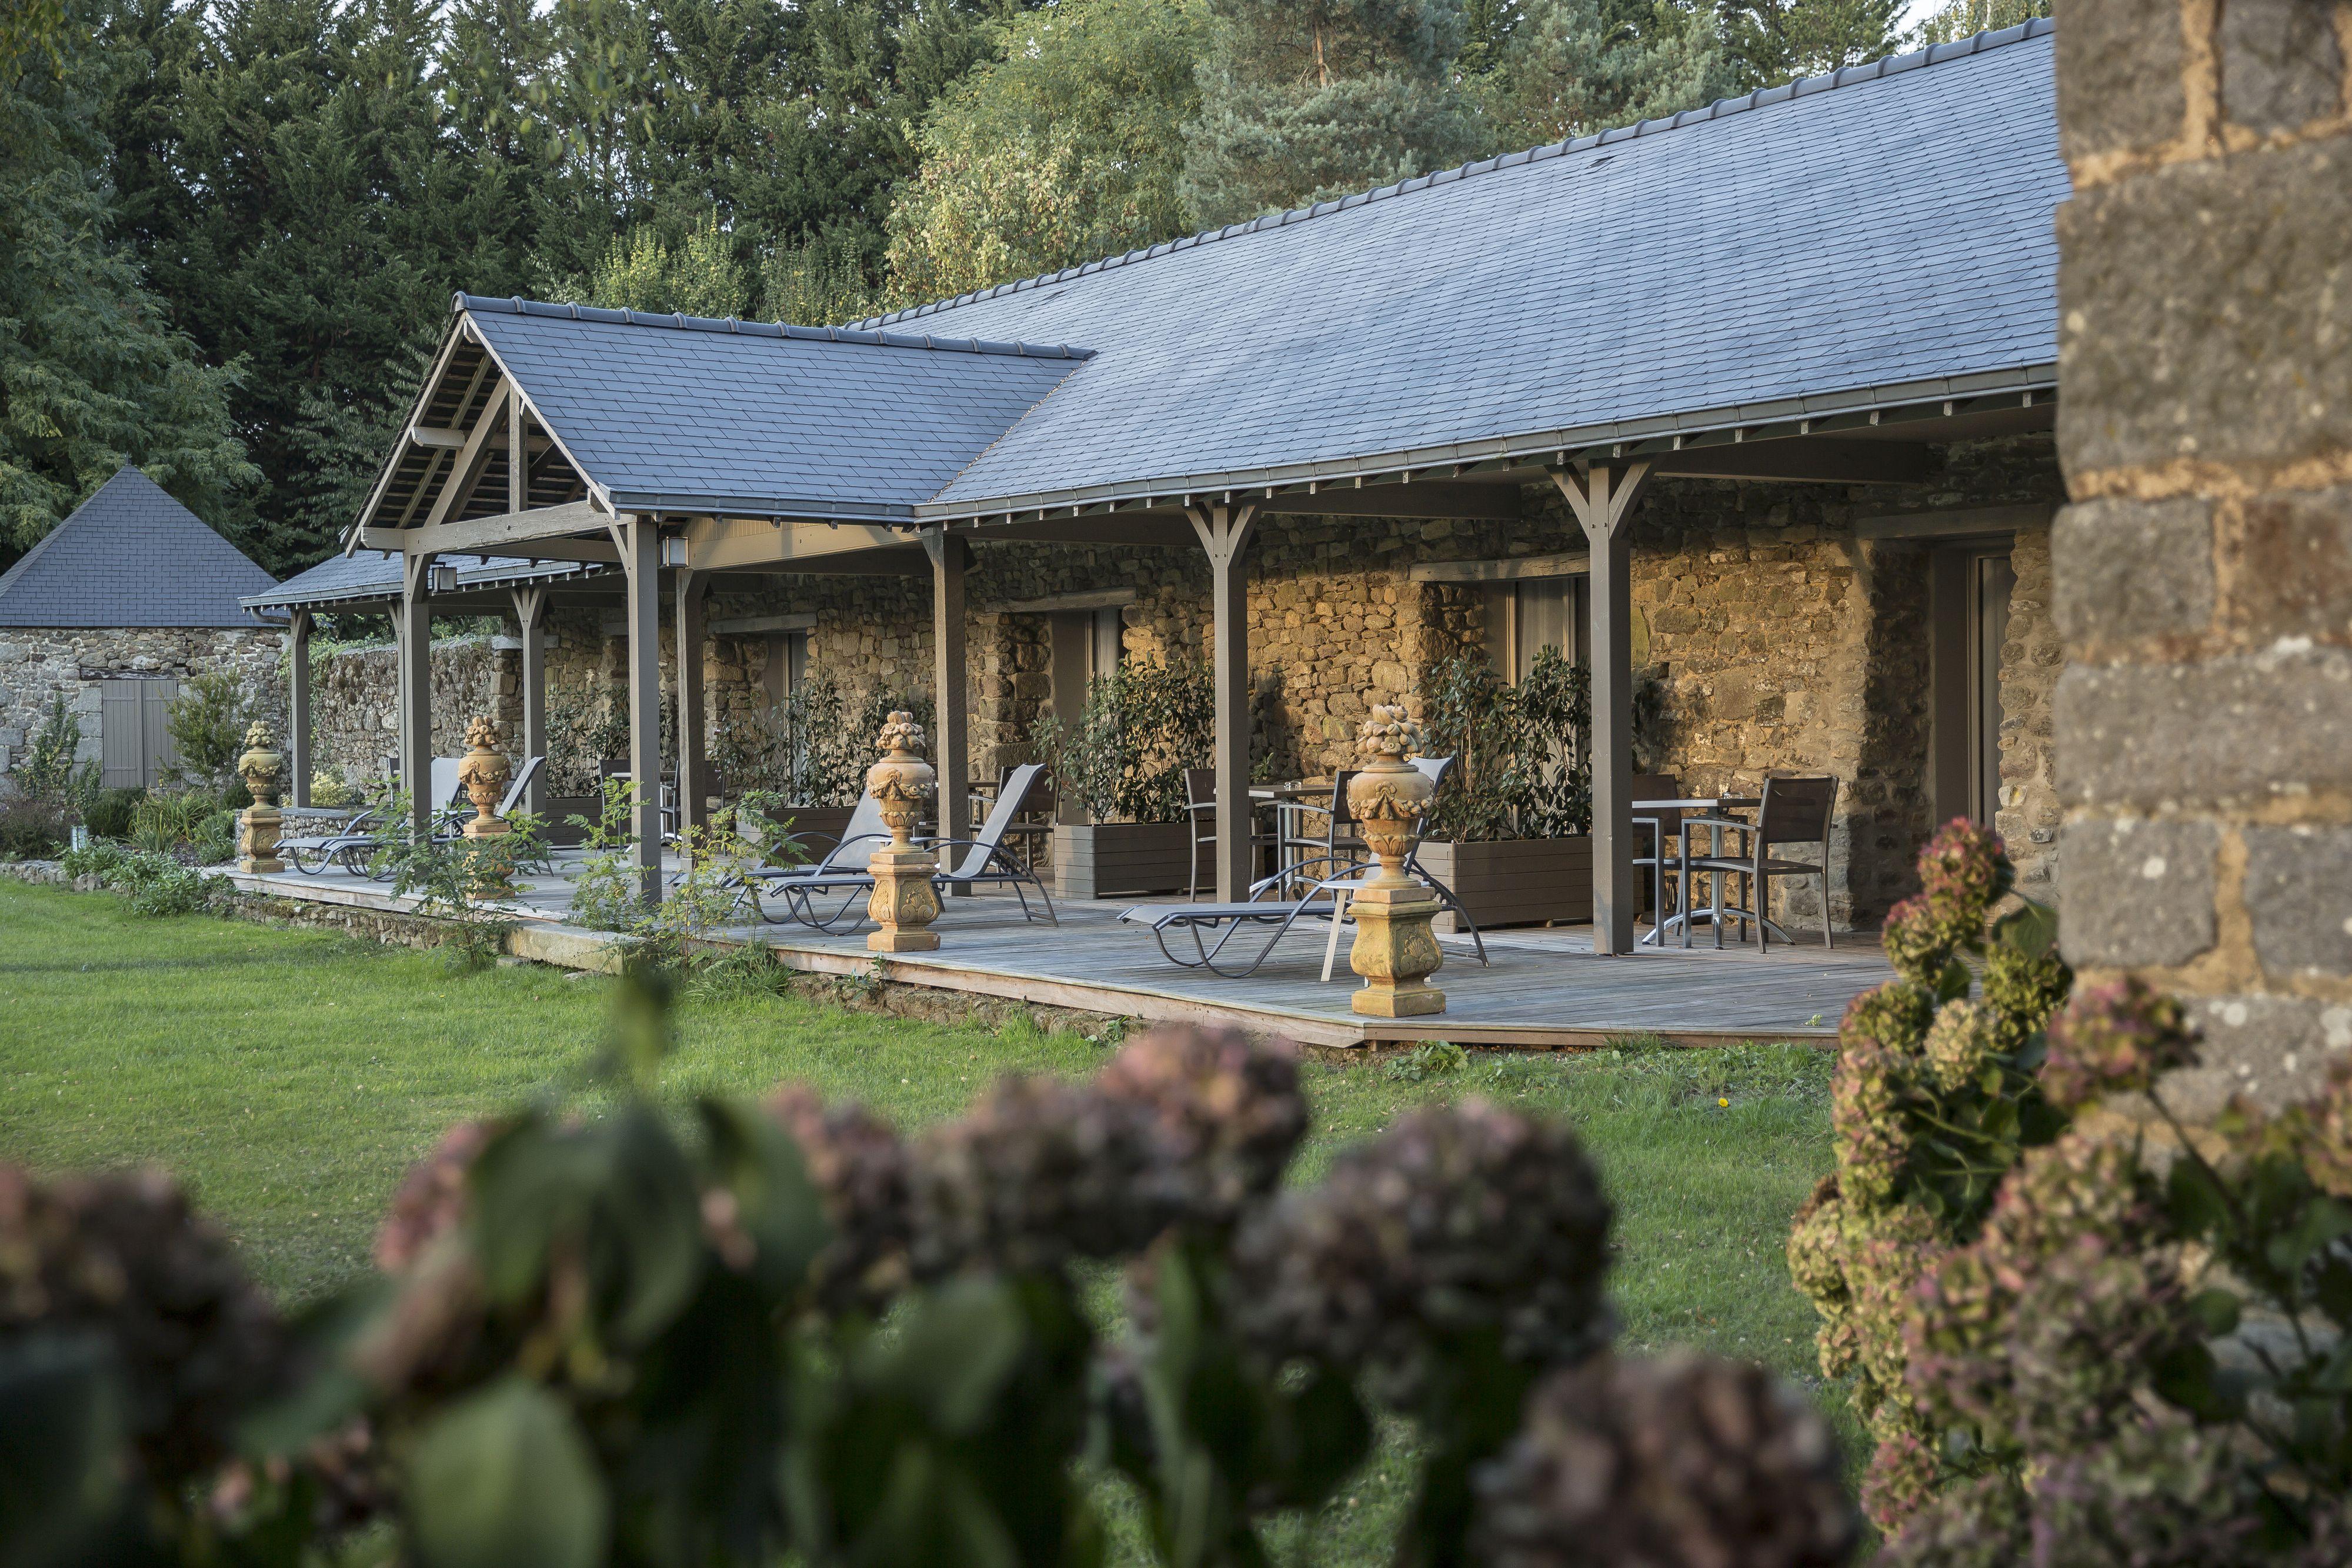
{"x": 1884, "y": 234}
{"x": 131, "y": 556}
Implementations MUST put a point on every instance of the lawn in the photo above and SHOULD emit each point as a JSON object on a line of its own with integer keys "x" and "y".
{"x": 289, "y": 1077}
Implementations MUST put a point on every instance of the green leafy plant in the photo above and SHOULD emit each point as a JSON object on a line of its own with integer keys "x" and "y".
{"x": 1523, "y": 764}
{"x": 460, "y": 880}
{"x": 604, "y": 894}
{"x": 151, "y": 884}
{"x": 206, "y": 722}
{"x": 1429, "y": 1060}
{"x": 1143, "y": 725}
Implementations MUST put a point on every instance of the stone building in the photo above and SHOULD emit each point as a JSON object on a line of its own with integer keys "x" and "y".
{"x": 124, "y": 601}
{"x": 1801, "y": 495}
{"x": 2204, "y": 725}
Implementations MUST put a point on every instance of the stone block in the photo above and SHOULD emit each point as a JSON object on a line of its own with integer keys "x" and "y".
{"x": 2291, "y": 564}
{"x": 2203, "y": 310}
{"x": 2132, "y": 569}
{"x": 2119, "y": 69}
{"x": 2137, "y": 892}
{"x": 2281, "y": 67}
{"x": 2272, "y": 1051}
{"x": 2243, "y": 728}
{"x": 2299, "y": 893}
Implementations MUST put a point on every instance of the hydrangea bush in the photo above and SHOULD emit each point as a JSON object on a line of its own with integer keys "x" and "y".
{"x": 2079, "y": 1333}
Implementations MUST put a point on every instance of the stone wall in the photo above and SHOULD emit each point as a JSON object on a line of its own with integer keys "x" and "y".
{"x": 355, "y": 705}
{"x": 2204, "y": 575}
{"x": 37, "y": 665}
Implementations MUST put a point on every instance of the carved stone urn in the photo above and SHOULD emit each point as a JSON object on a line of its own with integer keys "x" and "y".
{"x": 904, "y": 903}
{"x": 259, "y": 826}
{"x": 483, "y": 772}
{"x": 1394, "y": 950}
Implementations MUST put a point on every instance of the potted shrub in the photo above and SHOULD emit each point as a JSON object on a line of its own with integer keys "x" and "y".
{"x": 1511, "y": 830}
{"x": 1122, "y": 765}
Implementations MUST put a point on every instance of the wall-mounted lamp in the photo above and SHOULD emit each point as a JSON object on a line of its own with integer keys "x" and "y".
{"x": 673, "y": 550}
{"x": 441, "y": 580}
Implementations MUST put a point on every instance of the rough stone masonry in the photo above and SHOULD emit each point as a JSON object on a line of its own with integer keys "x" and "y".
{"x": 2203, "y": 574}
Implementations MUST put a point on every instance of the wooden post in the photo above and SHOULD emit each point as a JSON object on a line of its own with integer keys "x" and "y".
{"x": 297, "y": 703}
{"x": 1225, "y": 530}
{"x": 951, "y": 743}
{"x": 530, "y": 616}
{"x": 1602, "y": 496}
{"x": 641, "y": 559}
{"x": 518, "y": 455}
{"x": 416, "y": 630}
{"x": 693, "y": 739}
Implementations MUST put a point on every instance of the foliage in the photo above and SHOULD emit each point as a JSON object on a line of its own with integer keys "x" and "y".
{"x": 206, "y": 722}
{"x": 1523, "y": 763}
{"x": 151, "y": 884}
{"x": 605, "y": 889}
{"x": 1568, "y": 68}
{"x": 1143, "y": 725}
{"x": 460, "y": 880}
{"x": 2045, "y": 1311}
{"x": 1068, "y": 147}
{"x": 699, "y": 278}
{"x": 107, "y": 813}
{"x": 582, "y": 731}
{"x": 51, "y": 774}
{"x": 1431, "y": 1058}
{"x": 619, "y": 1337}
{"x": 1963, "y": 18}
{"x": 1773, "y": 41}
{"x": 1302, "y": 100}
{"x": 329, "y": 792}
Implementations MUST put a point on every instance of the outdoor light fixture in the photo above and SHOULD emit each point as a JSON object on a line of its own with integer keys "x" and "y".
{"x": 441, "y": 580}
{"x": 673, "y": 551}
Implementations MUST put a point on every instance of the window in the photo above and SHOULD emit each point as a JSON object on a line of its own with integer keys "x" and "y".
{"x": 1106, "y": 643}
{"x": 1969, "y": 587}
{"x": 1533, "y": 614}
{"x": 787, "y": 665}
{"x": 135, "y": 746}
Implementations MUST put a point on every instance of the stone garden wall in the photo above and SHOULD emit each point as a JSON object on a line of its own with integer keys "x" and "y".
{"x": 37, "y": 665}
{"x": 354, "y": 700}
{"x": 1778, "y": 638}
{"x": 2204, "y": 725}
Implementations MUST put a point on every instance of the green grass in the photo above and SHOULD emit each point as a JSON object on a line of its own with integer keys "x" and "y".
{"x": 289, "y": 1077}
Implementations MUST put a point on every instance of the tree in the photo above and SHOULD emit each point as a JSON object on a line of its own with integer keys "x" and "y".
{"x": 1567, "y": 68}
{"x": 1302, "y": 100}
{"x": 699, "y": 278}
{"x": 1962, "y": 18}
{"x": 1066, "y": 147}
{"x": 1773, "y": 41}
{"x": 92, "y": 372}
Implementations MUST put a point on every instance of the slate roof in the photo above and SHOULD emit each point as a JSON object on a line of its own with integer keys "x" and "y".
{"x": 131, "y": 556}
{"x": 369, "y": 575}
{"x": 688, "y": 414}
{"x": 1883, "y": 234}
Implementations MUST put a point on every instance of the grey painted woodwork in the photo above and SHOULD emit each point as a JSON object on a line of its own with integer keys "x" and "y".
{"x": 298, "y": 704}
{"x": 530, "y": 616}
{"x": 1225, "y": 530}
{"x": 641, "y": 559}
{"x": 951, "y": 747}
{"x": 1120, "y": 859}
{"x": 693, "y": 725}
{"x": 1602, "y": 497}
{"x": 413, "y": 621}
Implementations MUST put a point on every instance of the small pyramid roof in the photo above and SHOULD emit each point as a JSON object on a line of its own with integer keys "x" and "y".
{"x": 131, "y": 556}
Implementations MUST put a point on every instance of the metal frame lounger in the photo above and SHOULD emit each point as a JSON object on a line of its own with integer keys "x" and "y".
{"x": 363, "y": 833}
{"x": 989, "y": 862}
{"x": 842, "y": 869}
{"x": 1254, "y": 913}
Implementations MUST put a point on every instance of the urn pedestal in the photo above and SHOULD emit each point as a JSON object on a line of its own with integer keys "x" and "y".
{"x": 483, "y": 772}
{"x": 259, "y": 826}
{"x": 904, "y": 903}
{"x": 1394, "y": 950}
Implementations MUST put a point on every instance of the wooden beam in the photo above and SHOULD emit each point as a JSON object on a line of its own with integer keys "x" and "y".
{"x": 1154, "y": 530}
{"x": 642, "y": 561}
{"x": 467, "y": 471}
{"x": 1602, "y": 499}
{"x": 1804, "y": 460}
{"x": 518, "y": 459}
{"x": 1516, "y": 568}
{"x": 752, "y": 625}
{"x": 530, "y": 616}
{"x": 1224, "y": 531}
{"x": 435, "y": 436}
{"x": 1474, "y": 502}
{"x": 298, "y": 702}
{"x": 745, "y": 543}
{"x": 1955, "y": 522}
{"x": 551, "y": 525}
{"x": 1099, "y": 599}
{"x": 693, "y": 726}
{"x": 412, "y": 624}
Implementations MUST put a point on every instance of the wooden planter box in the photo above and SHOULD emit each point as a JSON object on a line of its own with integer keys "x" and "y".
{"x": 818, "y": 827}
{"x": 1119, "y": 859}
{"x": 1515, "y": 881}
{"x": 561, "y": 809}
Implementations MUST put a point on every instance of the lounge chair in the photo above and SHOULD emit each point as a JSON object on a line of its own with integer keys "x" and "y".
{"x": 1266, "y": 907}
{"x": 988, "y": 863}
{"x": 798, "y": 888}
{"x": 362, "y": 835}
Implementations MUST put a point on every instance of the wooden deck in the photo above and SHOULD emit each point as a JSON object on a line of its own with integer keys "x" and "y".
{"x": 1544, "y": 989}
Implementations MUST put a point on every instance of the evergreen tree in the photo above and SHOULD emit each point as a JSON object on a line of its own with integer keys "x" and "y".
{"x": 1773, "y": 41}
{"x": 92, "y": 374}
{"x": 699, "y": 278}
{"x": 1305, "y": 100}
{"x": 1066, "y": 147}
{"x": 1962, "y": 18}
{"x": 1568, "y": 68}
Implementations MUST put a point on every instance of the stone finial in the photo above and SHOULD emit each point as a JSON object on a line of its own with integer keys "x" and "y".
{"x": 260, "y": 764}
{"x": 1394, "y": 950}
{"x": 482, "y": 734}
{"x": 1390, "y": 732}
{"x": 904, "y": 902}
{"x": 900, "y": 734}
{"x": 483, "y": 772}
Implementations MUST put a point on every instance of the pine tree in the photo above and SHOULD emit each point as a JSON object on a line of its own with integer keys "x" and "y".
{"x": 1773, "y": 41}
{"x": 1066, "y": 147}
{"x": 1568, "y": 68}
{"x": 1305, "y": 100}
{"x": 92, "y": 374}
{"x": 1961, "y": 18}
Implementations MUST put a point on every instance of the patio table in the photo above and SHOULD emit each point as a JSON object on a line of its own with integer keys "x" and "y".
{"x": 1290, "y": 801}
{"x": 1711, "y": 803}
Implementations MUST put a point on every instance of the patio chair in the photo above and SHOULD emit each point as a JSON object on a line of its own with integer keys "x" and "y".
{"x": 1265, "y": 908}
{"x": 1201, "y": 808}
{"x": 988, "y": 862}
{"x": 363, "y": 835}
{"x": 1794, "y": 811}
{"x": 841, "y": 871}
{"x": 1664, "y": 828}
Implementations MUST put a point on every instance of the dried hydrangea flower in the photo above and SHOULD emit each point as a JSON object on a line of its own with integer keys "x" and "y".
{"x": 1865, "y": 1113}
{"x": 2327, "y": 1144}
{"x": 2113, "y": 1039}
{"x": 1457, "y": 1220}
{"x": 1038, "y": 1172}
{"x": 1686, "y": 1462}
{"x": 2159, "y": 1493}
{"x": 431, "y": 1199}
{"x": 1884, "y": 1260}
{"x": 1228, "y": 1113}
{"x": 1963, "y": 869}
{"x": 2023, "y": 992}
{"x": 1920, "y": 937}
{"x": 1982, "y": 1523}
{"x": 126, "y": 1258}
{"x": 1960, "y": 1044}
{"x": 1817, "y": 1245}
{"x": 1903, "y": 1474}
{"x": 860, "y": 1170}
{"x": 1896, "y": 1015}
